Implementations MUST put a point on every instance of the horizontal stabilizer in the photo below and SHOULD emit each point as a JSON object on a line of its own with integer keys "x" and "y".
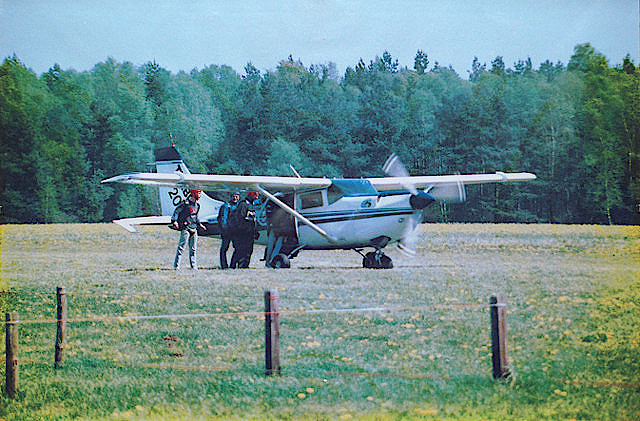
{"x": 129, "y": 223}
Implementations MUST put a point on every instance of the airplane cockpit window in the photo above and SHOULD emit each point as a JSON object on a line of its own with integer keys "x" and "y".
{"x": 310, "y": 200}
{"x": 334, "y": 193}
{"x": 351, "y": 187}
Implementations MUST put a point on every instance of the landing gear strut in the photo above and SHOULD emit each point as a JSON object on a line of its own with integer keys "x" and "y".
{"x": 376, "y": 260}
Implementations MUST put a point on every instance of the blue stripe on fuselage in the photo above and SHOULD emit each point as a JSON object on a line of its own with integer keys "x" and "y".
{"x": 338, "y": 216}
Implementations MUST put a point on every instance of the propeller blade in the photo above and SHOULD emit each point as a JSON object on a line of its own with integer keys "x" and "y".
{"x": 406, "y": 249}
{"x": 452, "y": 193}
{"x": 395, "y": 168}
{"x": 406, "y": 245}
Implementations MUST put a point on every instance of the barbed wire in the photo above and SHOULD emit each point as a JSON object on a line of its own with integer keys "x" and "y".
{"x": 112, "y": 294}
{"x": 133, "y": 317}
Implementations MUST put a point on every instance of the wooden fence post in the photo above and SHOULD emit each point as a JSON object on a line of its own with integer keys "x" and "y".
{"x": 11, "y": 354}
{"x": 498, "y": 308}
{"x": 272, "y": 332}
{"x": 61, "y": 332}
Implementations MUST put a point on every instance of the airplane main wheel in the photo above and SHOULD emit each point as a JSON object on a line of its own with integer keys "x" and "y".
{"x": 280, "y": 261}
{"x": 377, "y": 260}
{"x": 369, "y": 260}
{"x": 385, "y": 262}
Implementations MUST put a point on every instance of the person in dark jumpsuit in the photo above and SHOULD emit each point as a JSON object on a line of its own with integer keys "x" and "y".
{"x": 224, "y": 223}
{"x": 244, "y": 231}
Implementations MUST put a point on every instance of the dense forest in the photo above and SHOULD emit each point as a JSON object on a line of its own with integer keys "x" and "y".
{"x": 577, "y": 126}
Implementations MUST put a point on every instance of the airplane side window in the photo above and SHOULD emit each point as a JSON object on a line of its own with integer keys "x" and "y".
{"x": 334, "y": 193}
{"x": 310, "y": 200}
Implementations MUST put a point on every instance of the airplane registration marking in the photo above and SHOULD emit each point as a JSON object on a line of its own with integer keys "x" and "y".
{"x": 176, "y": 197}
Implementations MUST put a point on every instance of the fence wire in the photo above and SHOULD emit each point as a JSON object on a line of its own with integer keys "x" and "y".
{"x": 173, "y": 317}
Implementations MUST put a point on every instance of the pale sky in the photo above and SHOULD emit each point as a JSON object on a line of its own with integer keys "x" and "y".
{"x": 187, "y": 34}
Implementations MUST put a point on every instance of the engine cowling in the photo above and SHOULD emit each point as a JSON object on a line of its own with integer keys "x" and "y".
{"x": 421, "y": 200}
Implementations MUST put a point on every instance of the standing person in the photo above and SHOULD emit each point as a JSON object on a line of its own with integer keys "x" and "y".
{"x": 185, "y": 218}
{"x": 224, "y": 221}
{"x": 279, "y": 227}
{"x": 244, "y": 227}
{"x": 253, "y": 204}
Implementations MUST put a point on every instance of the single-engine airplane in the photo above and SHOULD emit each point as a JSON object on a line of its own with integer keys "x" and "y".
{"x": 311, "y": 213}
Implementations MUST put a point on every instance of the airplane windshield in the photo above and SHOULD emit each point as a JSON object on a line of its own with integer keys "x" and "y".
{"x": 351, "y": 187}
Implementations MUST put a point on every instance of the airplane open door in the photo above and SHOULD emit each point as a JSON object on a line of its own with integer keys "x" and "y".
{"x": 281, "y": 222}
{"x": 282, "y": 227}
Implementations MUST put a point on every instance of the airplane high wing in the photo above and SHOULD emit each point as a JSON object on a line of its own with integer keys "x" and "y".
{"x": 316, "y": 213}
{"x": 213, "y": 182}
{"x": 426, "y": 181}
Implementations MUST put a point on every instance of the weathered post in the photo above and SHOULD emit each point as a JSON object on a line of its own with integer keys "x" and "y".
{"x": 272, "y": 332}
{"x": 498, "y": 308}
{"x": 61, "y": 332}
{"x": 11, "y": 354}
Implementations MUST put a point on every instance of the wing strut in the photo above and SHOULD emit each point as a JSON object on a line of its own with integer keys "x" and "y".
{"x": 295, "y": 214}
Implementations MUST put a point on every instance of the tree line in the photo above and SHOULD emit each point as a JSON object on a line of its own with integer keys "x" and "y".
{"x": 577, "y": 126}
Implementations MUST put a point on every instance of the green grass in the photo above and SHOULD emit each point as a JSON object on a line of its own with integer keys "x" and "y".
{"x": 573, "y": 295}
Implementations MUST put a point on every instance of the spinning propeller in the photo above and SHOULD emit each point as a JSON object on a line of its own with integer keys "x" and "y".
{"x": 420, "y": 199}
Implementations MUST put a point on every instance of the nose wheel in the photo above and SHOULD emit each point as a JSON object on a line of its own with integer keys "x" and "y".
{"x": 280, "y": 261}
{"x": 377, "y": 260}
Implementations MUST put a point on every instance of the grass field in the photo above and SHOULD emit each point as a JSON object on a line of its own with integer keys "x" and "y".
{"x": 573, "y": 295}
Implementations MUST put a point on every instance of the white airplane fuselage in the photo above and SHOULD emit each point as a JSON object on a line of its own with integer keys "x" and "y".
{"x": 354, "y": 221}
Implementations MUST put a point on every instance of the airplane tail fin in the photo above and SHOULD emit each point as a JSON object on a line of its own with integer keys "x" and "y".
{"x": 169, "y": 160}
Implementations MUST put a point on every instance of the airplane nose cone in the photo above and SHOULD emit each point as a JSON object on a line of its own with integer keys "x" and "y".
{"x": 420, "y": 200}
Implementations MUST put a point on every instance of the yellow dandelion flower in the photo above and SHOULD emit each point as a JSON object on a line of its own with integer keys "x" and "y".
{"x": 310, "y": 390}
{"x": 301, "y": 395}
{"x": 425, "y": 411}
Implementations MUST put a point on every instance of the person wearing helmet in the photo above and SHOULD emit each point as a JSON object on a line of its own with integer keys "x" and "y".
{"x": 243, "y": 220}
{"x": 225, "y": 225}
{"x": 185, "y": 219}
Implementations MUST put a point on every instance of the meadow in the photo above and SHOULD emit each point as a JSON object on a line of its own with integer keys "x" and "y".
{"x": 573, "y": 297}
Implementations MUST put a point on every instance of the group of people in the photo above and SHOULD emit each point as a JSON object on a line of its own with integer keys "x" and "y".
{"x": 236, "y": 220}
